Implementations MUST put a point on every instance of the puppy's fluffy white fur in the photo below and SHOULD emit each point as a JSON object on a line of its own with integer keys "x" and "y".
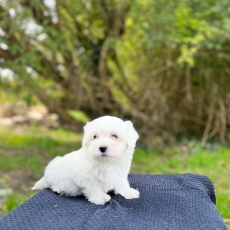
{"x": 101, "y": 165}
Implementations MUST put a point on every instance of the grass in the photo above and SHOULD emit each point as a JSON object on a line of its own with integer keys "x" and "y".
{"x": 29, "y": 151}
{"x": 25, "y": 152}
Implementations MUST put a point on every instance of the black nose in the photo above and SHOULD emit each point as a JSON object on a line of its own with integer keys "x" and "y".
{"x": 103, "y": 149}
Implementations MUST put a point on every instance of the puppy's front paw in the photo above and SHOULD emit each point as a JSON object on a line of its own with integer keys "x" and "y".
{"x": 130, "y": 193}
{"x": 100, "y": 199}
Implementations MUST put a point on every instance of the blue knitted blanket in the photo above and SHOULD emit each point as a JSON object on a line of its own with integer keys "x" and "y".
{"x": 166, "y": 202}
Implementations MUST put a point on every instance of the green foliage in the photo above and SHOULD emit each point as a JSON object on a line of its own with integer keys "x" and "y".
{"x": 79, "y": 116}
{"x": 13, "y": 201}
{"x": 165, "y": 62}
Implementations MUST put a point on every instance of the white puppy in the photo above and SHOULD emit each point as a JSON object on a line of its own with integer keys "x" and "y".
{"x": 101, "y": 165}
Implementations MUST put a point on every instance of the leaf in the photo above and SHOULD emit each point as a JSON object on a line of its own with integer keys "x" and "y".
{"x": 78, "y": 116}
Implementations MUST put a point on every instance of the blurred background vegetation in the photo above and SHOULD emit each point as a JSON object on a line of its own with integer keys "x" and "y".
{"x": 163, "y": 64}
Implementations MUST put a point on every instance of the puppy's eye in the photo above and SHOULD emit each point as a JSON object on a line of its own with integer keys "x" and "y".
{"x": 114, "y": 135}
{"x": 95, "y": 136}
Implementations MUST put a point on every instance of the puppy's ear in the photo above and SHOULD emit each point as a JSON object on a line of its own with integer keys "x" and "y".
{"x": 131, "y": 134}
{"x": 85, "y": 139}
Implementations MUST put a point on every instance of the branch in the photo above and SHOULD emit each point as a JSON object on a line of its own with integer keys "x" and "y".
{"x": 122, "y": 73}
{"x": 102, "y": 65}
{"x": 208, "y": 123}
{"x": 104, "y": 13}
{"x": 37, "y": 11}
{"x": 114, "y": 17}
{"x": 55, "y": 106}
{"x": 188, "y": 83}
{"x": 223, "y": 119}
{"x": 5, "y": 54}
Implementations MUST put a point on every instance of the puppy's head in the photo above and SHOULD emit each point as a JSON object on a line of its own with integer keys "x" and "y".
{"x": 109, "y": 137}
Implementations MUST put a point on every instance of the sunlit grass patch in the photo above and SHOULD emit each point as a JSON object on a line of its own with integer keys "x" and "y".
{"x": 30, "y": 151}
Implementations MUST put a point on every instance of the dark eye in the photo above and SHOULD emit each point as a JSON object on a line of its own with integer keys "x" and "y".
{"x": 114, "y": 135}
{"x": 94, "y": 136}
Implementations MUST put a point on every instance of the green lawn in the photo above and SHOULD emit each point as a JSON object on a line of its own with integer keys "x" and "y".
{"x": 25, "y": 152}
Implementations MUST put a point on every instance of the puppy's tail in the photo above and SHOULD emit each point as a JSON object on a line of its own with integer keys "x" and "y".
{"x": 41, "y": 184}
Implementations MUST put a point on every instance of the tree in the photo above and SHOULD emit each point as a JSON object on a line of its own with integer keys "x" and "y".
{"x": 163, "y": 64}
{"x": 63, "y": 48}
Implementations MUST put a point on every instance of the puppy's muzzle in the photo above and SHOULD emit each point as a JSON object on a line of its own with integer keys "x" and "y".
{"x": 103, "y": 149}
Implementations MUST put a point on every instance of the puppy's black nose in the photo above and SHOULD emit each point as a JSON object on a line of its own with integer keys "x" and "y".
{"x": 103, "y": 149}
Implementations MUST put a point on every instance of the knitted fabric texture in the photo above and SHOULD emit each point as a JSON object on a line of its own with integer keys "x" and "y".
{"x": 181, "y": 202}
